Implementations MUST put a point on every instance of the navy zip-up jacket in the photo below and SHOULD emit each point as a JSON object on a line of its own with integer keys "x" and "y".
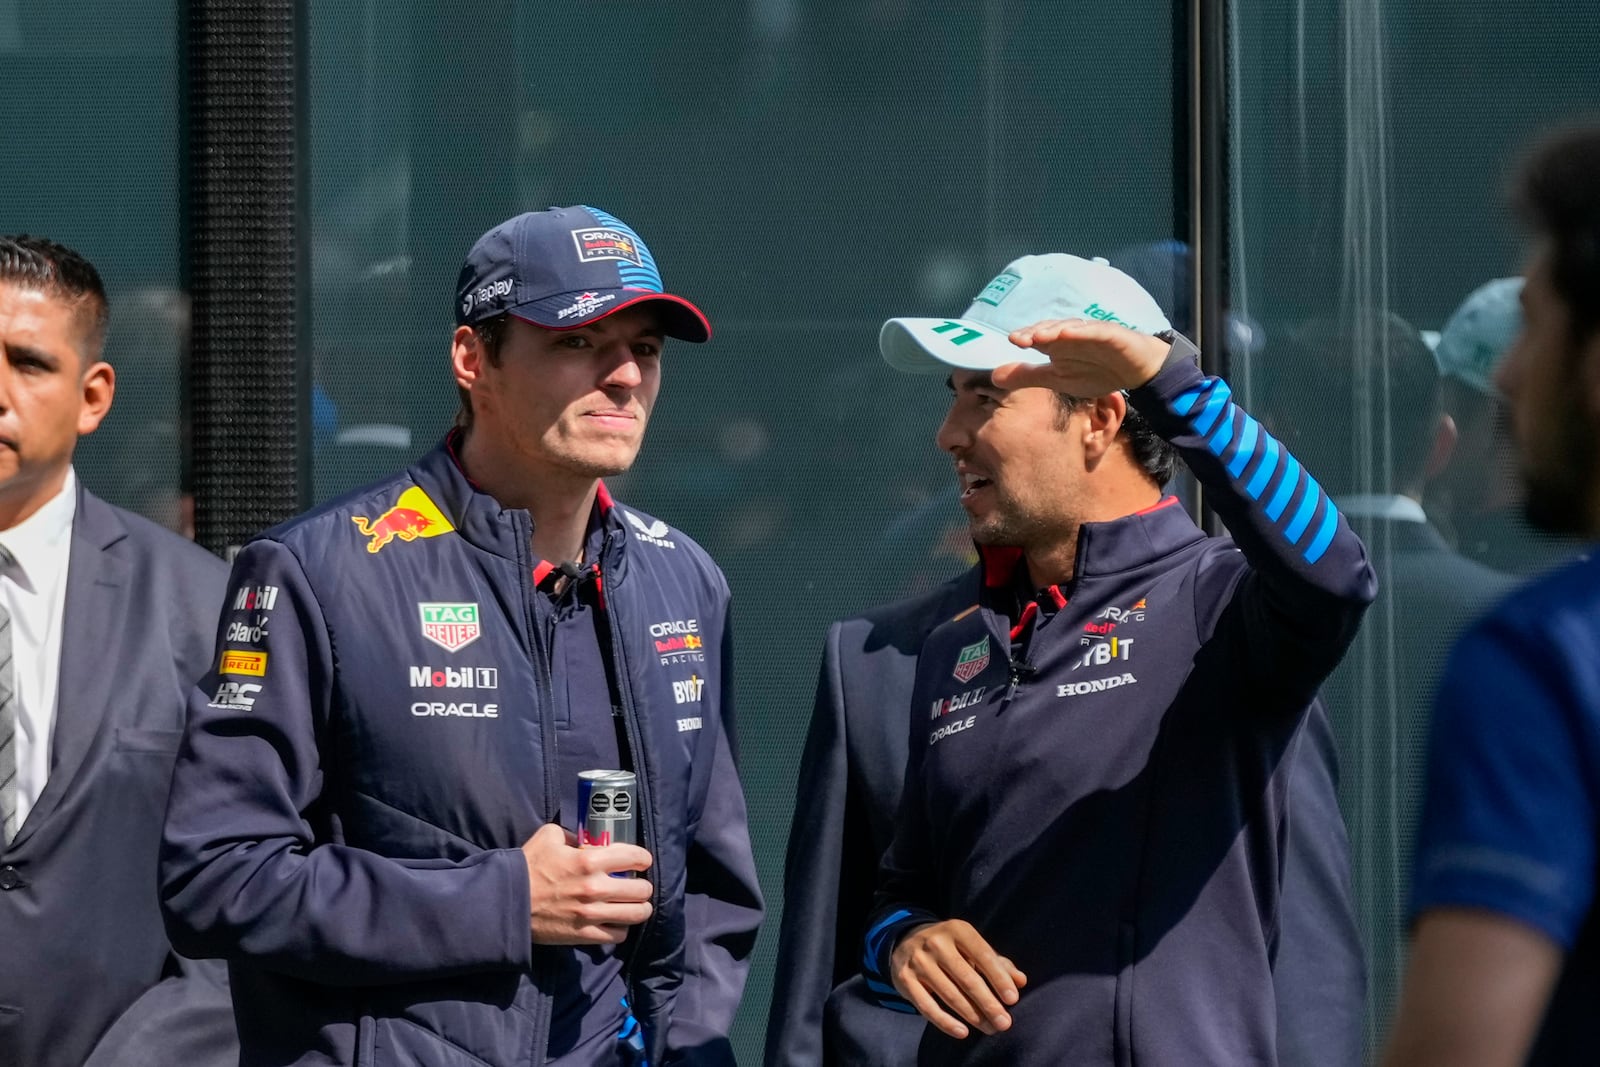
{"x": 850, "y": 781}
{"x": 1097, "y": 781}
{"x": 374, "y": 746}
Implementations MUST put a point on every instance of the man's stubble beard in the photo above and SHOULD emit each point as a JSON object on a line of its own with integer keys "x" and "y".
{"x": 1561, "y": 493}
{"x": 1009, "y": 525}
{"x": 573, "y": 458}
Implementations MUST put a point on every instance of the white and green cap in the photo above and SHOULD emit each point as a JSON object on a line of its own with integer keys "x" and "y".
{"x": 1029, "y": 290}
{"x": 1479, "y": 333}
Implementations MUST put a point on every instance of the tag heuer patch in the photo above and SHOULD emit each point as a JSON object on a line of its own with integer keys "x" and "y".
{"x": 450, "y": 626}
{"x": 972, "y": 660}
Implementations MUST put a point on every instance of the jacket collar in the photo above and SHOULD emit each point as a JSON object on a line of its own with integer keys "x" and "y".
{"x": 505, "y": 532}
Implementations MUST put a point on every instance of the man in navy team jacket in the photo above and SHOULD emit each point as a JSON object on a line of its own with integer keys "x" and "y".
{"x": 849, "y": 784}
{"x": 373, "y": 813}
{"x": 1087, "y": 861}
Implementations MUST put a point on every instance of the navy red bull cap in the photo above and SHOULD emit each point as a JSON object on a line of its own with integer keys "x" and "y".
{"x": 566, "y": 267}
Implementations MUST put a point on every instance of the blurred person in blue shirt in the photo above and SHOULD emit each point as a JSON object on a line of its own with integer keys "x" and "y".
{"x": 1504, "y": 966}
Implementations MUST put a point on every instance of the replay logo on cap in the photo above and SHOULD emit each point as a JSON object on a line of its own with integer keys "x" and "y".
{"x": 1029, "y": 290}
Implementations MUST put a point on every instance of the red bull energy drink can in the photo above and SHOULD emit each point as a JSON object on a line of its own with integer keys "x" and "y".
{"x": 606, "y": 803}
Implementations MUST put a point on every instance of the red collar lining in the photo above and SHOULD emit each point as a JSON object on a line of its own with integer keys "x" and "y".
{"x": 1165, "y": 502}
{"x": 1022, "y": 623}
{"x": 999, "y": 564}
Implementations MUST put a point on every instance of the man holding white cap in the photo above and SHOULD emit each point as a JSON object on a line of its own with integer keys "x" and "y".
{"x": 1087, "y": 859}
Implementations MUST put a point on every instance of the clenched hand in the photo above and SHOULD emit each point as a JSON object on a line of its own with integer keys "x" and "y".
{"x": 573, "y": 898}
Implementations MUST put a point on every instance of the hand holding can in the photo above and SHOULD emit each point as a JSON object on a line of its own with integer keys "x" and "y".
{"x": 584, "y": 896}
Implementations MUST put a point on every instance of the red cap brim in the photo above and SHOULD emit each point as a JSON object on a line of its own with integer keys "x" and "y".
{"x": 679, "y": 318}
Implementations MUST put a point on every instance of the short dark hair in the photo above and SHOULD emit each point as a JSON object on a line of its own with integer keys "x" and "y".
{"x": 56, "y": 270}
{"x": 1328, "y": 380}
{"x": 1557, "y": 194}
{"x": 1155, "y": 455}
{"x": 491, "y": 334}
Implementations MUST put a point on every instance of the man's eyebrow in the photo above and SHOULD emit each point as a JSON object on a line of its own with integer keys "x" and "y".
{"x": 600, "y": 325}
{"x": 980, "y": 381}
{"x": 37, "y": 355}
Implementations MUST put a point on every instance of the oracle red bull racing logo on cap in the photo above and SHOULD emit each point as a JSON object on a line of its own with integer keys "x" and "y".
{"x": 414, "y": 515}
{"x": 971, "y": 661}
{"x": 450, "y": 626}
{"x": 605, "y": 242}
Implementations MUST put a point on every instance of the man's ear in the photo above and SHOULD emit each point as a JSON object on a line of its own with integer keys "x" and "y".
{"x": 467, "y": 356}
{"x": 98, "y": 386}
{"x": 1104, "y": 418}
{"x": 1445, "y": 437}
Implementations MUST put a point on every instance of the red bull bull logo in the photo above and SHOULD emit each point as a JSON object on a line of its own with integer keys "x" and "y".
{"x": 414, "y": 515}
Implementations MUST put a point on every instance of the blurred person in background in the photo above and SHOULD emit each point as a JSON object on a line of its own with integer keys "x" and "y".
{"x": 1358, "y": 400}
{"x": 1505, "y": 962}
{"x": 1475, "y": 497}
{"x": 106, "y": 620}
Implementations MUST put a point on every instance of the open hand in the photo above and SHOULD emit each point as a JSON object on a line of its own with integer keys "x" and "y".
{"x": 1087, "y": 359}
{"x": 950, "y": 974}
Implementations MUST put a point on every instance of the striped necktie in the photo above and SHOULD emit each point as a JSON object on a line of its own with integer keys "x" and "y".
{"x": 8, "y": 717}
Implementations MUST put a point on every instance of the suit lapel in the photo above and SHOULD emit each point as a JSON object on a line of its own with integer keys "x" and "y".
{"x": 95, "y": 625}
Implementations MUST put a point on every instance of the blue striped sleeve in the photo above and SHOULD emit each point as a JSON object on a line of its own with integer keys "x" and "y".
{"x": 882, "y": 936}
{"x": 1277, "y": 512}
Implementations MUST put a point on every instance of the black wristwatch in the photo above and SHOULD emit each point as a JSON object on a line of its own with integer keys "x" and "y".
{"x": 1183, "y": 350}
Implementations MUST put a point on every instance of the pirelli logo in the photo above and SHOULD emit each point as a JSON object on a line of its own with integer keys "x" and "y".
{"x": 236, "y": 662}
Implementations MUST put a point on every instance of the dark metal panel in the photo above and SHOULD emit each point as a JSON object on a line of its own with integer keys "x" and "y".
{"x": 245, "y": 258}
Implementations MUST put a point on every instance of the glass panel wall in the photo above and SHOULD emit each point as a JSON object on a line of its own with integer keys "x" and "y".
{"x": 90, "y": 114}
{"x": 1371, "y": 145}
{"x": 801, "y": 170}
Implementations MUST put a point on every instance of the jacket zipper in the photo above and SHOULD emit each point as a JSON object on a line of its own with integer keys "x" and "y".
{"x": 645, "y": 807}
{"x": 545, "y": 709}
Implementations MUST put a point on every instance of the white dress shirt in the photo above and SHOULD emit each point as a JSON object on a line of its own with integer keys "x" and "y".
{"x": 1389, "y": 506}
{"x": 34, "y": 591}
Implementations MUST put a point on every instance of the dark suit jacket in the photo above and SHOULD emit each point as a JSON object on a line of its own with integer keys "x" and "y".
{"x": 1380, "y": 699}
{"x": 80, "y": 928}
{"x": 849, "y": 789}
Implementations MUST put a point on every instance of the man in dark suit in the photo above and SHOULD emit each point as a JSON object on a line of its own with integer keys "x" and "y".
{"x": 105, "y": 622}
{"x": 1360, "y": 403}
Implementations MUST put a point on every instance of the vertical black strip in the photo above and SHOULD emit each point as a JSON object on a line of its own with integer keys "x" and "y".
{"x": 245, "y": 260}
{"x": 1210, "y": 169}
{"x": 1207, "y": 193}
{"x": 1184, "y": 125}
{"x": 305, "y": 466}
